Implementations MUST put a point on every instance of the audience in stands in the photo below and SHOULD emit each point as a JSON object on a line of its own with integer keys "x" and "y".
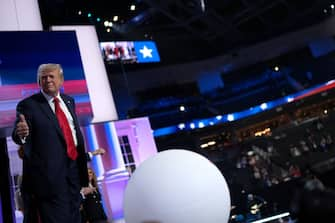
{"x": 254, "y": 207}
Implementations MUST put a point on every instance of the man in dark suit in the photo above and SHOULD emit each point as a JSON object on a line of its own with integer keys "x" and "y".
{"x": 53, "y": 174}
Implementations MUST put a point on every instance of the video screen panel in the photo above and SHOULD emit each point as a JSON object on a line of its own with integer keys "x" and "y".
{"x": 129, "y": 52}
{"x": 21, "y": 52}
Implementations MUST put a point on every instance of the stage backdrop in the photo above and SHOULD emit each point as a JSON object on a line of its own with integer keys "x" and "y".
{"x": 21, "y": 52}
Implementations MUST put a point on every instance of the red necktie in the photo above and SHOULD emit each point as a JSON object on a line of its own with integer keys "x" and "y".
{"x": 64, "y": 125}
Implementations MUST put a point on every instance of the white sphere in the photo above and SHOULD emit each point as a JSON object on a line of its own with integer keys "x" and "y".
{"x": 177, "y": 186}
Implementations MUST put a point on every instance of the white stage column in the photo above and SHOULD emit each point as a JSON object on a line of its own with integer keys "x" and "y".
{"x": 20, "y": 15}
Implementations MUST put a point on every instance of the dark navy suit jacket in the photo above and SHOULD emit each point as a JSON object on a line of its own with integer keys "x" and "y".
{"x": 45, "y": 163}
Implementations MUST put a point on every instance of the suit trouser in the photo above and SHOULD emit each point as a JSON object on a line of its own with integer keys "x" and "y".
{"x": 62, "y": 207}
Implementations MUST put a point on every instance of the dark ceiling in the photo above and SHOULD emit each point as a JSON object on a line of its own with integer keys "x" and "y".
{"x": 188, "y": 30}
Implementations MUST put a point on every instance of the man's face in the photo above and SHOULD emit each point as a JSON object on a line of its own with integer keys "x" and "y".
{"x": 51, "y": 81}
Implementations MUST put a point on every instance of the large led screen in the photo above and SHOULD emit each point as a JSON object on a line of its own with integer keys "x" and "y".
{"x": 21, "y": 52}
{"x": 129, "y": 52}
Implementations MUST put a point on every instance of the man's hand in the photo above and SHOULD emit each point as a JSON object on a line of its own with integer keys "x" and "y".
{"x": 99, "y": 151}
{"x": 22, "y": 128}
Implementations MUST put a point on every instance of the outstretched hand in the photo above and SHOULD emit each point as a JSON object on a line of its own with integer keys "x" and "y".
{"x": 99, "y": 151}
{"x": 22, "y": 128}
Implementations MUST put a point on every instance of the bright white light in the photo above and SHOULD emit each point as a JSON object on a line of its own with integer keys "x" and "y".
{"x": 204, "y": 145}
{"x": 332, "y": 6}
{"x": 211, "y": 123}
{"x": 79, "y": 12}
{"x": 181, "y": 108}
{"x": 110, "y": 24}
{"x": 132, "y": 7}
{"x": 272, "y": 218}
{"x": 181, "y": 126}
{"x": 203, "y": 5}
{"x": 115, "y": 18}
{"x": 106, "y": 23}
{"x": 211, "y": 143}
{"x": 264, "y": 106}
{"x": 230, "y": 117}
{"x": 219, "y": 117}
{"x": 289, "y": 99}
{"x": 192, "y": 125}
{"x": 276, "y": 68}
{"x": 201, "y": 125}
{"x": 108, "y": 30}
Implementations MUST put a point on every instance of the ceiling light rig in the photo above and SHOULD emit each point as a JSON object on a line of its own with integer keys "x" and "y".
{"x": 117, "y": 23}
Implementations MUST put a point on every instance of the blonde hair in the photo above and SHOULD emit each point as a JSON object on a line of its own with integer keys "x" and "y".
{"x": 48, "y": 67}
{"x": 94, "y": 181}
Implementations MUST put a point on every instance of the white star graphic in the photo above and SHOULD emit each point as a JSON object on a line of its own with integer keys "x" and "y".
{"x": 146, "y": 52}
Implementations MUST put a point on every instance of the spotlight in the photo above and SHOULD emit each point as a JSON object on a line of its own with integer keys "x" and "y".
{"x": 264, "y": 106}
{"x": 181, "y": 126}
{"x": 230, "y": 117}
{"x": 201, "y": 125}
{"x": 192, "y": 125}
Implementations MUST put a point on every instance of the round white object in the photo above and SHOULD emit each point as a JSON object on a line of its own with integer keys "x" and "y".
{"x": 177, "y": 186}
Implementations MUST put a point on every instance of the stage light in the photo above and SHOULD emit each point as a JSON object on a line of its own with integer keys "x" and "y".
{"x": 219, "y": 117}
{"x": 98, "y": 19}
{"x": 264, "y": 106}
{"x": 192, "y": 125}
{"x": 79, "y": 12}
{"x": 230, "y": 117}
{"x": 181, "y": 126}
{"x": 182, "y": 108}
{"x": 205, "y": 145}
{"x": 115, "y": 18}
{"x": 201, "y": 125}
{"x": 132, "y": 7}
{"x": 89, "y": 15}
{"x": 289, "y": 99}
{"x": 211, "y": 143}
{"x": 276, "y": 68}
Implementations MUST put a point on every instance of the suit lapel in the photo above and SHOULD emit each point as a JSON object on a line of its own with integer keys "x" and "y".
{"x": 45, "y": 107}
{"x": 70, "y": 106}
